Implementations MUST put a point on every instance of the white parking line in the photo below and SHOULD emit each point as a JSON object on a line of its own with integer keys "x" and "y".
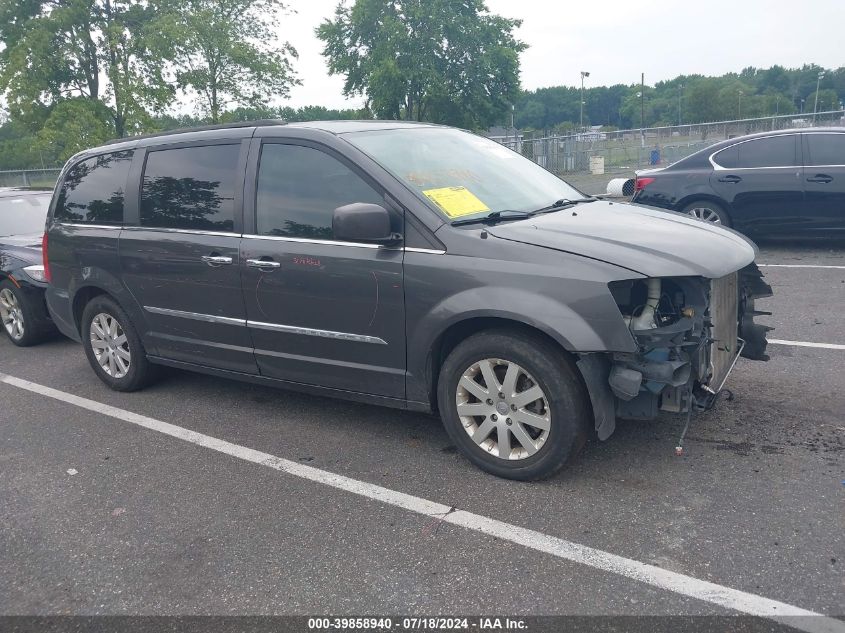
{"x": 722, "y": 596}
{"x": 775, "y": 341}
{"x": 799, "y": 266}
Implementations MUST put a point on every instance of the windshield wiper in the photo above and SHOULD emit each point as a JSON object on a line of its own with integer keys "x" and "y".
{"x": 511, "y": 214}
{"x": 562, "y": 203}
{"x": 496, "y": 216}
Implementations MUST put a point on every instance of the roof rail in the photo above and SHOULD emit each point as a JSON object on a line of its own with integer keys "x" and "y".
{"x": 200, "y": 128}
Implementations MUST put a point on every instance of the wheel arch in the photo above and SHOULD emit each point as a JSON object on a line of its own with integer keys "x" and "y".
{"x": 462, "y": 329}
{"x": 83, "y": 294}
{"x": 581, "y": 321}
{"x": 81, "y": 298}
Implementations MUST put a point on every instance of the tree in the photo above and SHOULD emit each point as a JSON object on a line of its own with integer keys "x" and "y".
{"x": 73, "y": 125}
{"x": 17, "y": 148}
{"x": 96, "y": 49}
{"x": 775, "y": 79}
{"x": 827, "y": 100}
{"x": 531, "y": 114}
{"x": 221, "y": 51}
{"x": 448, "y": 61}
{"x": 703, "y": 102}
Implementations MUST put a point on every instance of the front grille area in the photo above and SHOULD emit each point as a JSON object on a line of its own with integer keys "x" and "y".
{"x": 723, "y": 313}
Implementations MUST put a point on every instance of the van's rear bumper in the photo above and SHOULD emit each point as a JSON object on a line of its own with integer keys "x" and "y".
{"x": 61, "y": 311}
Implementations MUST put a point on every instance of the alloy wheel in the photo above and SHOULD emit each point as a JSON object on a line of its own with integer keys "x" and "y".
{"x": 110, "y": 345}
{"x": 706, "y": 214}
{"x": 503, "y": 409}
{"x": 11, "y": 314}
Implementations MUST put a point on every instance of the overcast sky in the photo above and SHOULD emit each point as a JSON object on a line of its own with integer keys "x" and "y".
{"x": 615, "y": 41}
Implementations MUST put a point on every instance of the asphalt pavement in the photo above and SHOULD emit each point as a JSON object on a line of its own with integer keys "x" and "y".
{"x": 102, "y": 516}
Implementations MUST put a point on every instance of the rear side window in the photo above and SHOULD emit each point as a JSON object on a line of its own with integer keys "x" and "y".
{"x": 190, "y": 188}
{"x": 775, "y": 151}
{"x": 300, "y": 187}
{"x": 93, "y": 190}
{"x": 824, "y": 149}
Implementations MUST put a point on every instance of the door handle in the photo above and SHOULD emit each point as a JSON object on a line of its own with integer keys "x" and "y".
{"x": 730, "y": 179}
{"x": 822, "y": 178}
{"x": 216, "y": 260}
{"x": 263, "y": 264}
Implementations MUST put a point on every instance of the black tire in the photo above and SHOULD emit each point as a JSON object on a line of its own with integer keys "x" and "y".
{"x": 570, "y": 416}
{"x": 33, "y": 317}
{"x": 140, "y": 372}
{"x": 704, "y": 207}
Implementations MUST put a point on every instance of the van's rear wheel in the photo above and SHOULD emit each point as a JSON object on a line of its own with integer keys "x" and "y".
{"x": 113, "y": 347}
{"x": 512, "y": 405}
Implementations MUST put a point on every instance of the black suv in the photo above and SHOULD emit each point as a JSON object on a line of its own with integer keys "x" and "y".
{"x": 775, "y": 183}
{"x": 409, "y": 265}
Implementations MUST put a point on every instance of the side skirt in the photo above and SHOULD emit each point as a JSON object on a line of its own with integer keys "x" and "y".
{"x": 394, "y": 403}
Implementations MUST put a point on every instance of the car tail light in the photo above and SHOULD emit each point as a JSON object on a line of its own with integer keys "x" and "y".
{"x": 642, "y": 183}
{"x": 47, "y": 276}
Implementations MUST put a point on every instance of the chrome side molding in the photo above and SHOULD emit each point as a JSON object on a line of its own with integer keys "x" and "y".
{"x": 292, "y": 329}
{"x": 273, "y": 327}
{"x": 196, "y": 316}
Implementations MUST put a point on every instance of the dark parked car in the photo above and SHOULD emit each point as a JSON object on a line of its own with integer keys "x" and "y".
{"x": 776, "y": 183}
{"x": 408, "y": 265}
{"x": 22, "y": 283}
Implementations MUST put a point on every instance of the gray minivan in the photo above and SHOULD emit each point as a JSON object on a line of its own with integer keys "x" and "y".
{"x": 409, "y": 265}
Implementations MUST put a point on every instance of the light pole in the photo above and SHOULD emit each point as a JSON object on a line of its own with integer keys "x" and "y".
{"x": 513, "y": 127}
{"x": 680, "y": 92}
{"x": 584, "y": 73}
{"x": 816, "y": 104}
{"x": 642, "y": 131}
{"x": 739, "y": 105}
{"x": 641, "y": 95}
{"x": 802, "y": 106}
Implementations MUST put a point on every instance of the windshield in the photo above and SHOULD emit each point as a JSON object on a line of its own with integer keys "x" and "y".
{"x": 462, "y": 174}
{"x": 24, "y": 214}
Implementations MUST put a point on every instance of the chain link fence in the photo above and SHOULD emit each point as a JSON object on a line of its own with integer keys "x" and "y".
{"x": 620, "y": 152}
{"x": 597, "y": 153}
{"x": 29, "y": 177}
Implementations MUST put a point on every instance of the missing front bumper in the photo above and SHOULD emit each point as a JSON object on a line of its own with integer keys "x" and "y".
{"x": 681, "y": 365}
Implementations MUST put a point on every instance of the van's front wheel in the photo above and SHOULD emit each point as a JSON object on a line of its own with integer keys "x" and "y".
{"x": 514, "y": 406}
{"x": 113, "y": 347}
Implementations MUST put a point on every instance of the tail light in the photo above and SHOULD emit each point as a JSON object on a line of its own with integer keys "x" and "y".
{"x": 642, "y": 183}
{"x": 47, "y": 276}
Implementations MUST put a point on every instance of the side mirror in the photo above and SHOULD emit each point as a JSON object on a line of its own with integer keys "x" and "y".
{"x": 362, "y": 222}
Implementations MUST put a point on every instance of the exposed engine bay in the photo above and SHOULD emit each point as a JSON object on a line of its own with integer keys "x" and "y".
{"x": 689, "y": 331}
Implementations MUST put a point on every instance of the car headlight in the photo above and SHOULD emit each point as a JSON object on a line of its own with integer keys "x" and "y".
{"x": 35, "y": 272}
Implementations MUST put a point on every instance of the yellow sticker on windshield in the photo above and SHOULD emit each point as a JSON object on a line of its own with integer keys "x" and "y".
{"x": 456, "y": 201}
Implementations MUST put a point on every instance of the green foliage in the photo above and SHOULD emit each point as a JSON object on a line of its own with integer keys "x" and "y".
{"x": 17, "y": 147}
{"x": 765, "y": 92}
{"x": 96, "y": 49}
{"x": 73, "y": 125}
{"x": 74, "y": 73}
{"x": 447, "y": 61}
{"x": 828, "y": 100}
{"x": 221, "y": 51}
